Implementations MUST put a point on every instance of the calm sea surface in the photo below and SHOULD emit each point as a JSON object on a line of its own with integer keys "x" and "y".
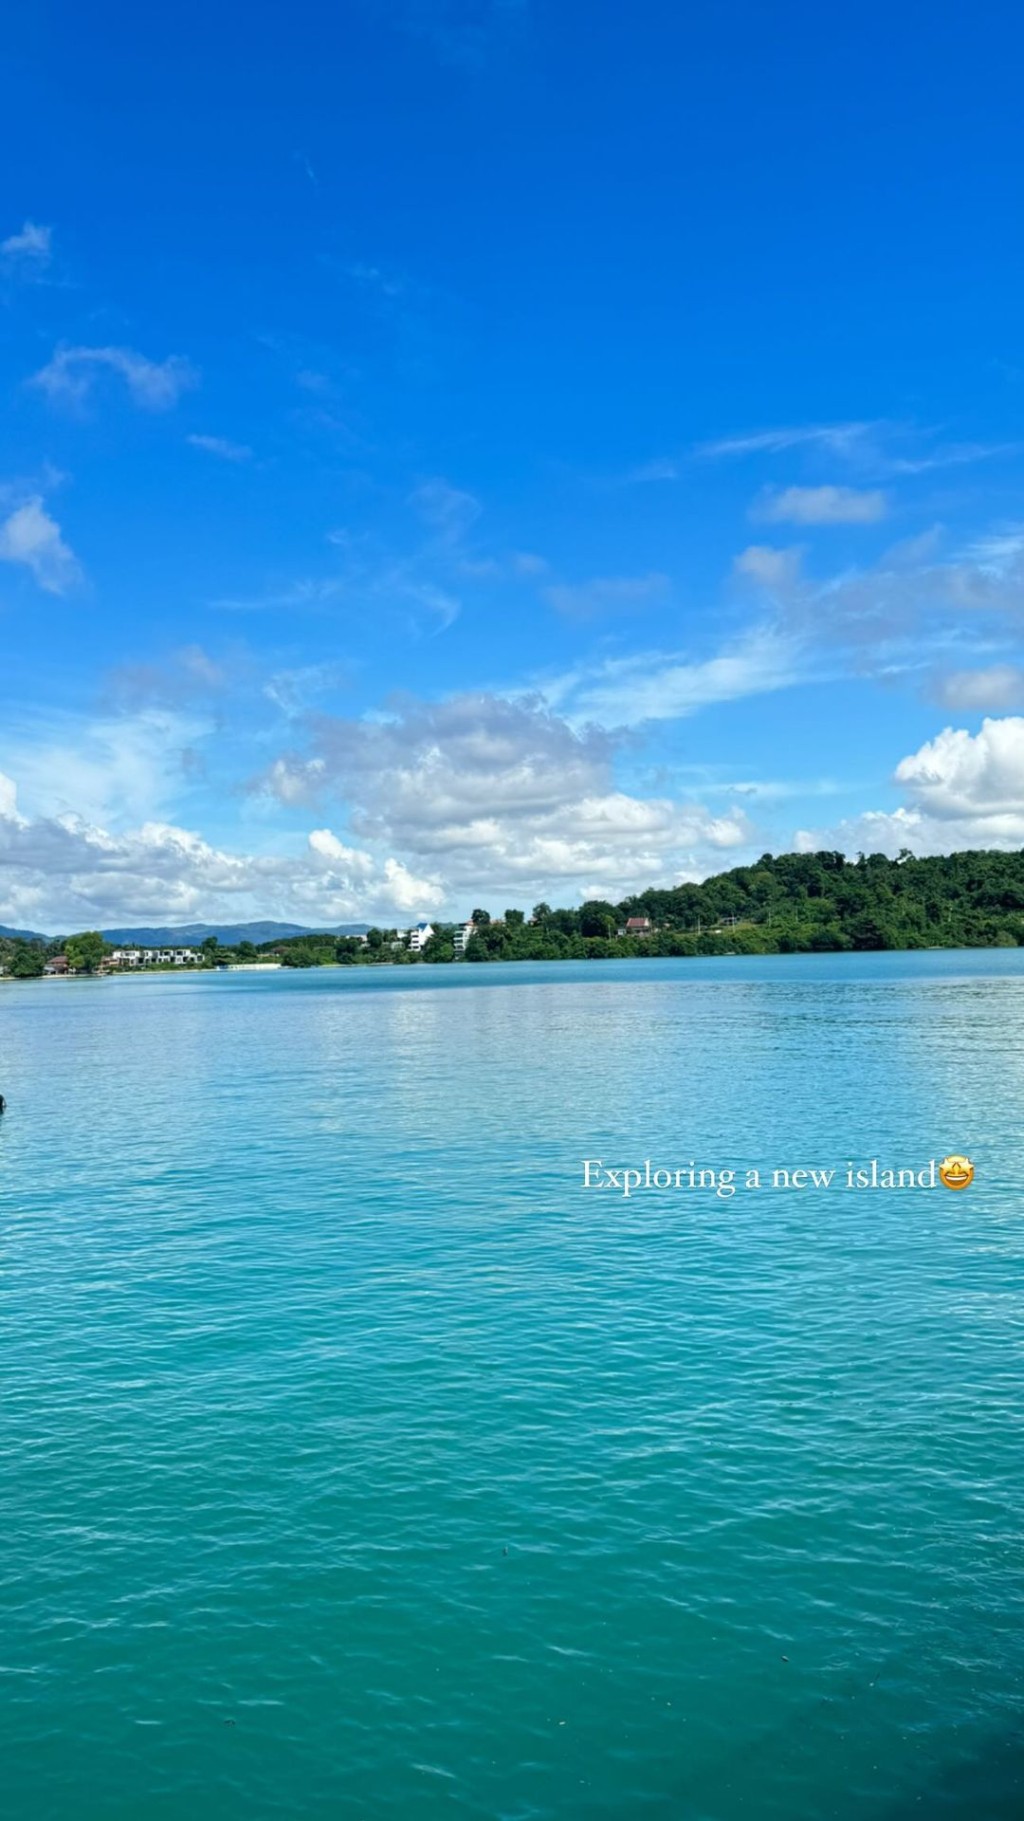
{"x": 356, "y": 1462}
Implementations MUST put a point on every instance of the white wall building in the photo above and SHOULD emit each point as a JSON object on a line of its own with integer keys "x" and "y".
{"x": 463, "y": 931}
{"x": 419, "y": 936}
{"x": 155, "y": 957}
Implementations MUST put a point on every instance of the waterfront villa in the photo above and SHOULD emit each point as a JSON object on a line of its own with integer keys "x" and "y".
{"x": 155, "y": 957}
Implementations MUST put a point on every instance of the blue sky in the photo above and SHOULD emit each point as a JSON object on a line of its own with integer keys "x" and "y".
{"x": 470, "y": 451}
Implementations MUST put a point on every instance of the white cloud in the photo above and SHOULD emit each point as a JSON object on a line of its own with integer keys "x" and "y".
{"x": 429, "y": 763}
{"x": 838, "y": 439}
{"x": 221, "y": 446}
{"x": 486, "y": 795}
{"x": 449, "y": 511}
{"x": 416, "y": 591}
{"x": 820, "y": 506}
{"x": 997, "y": 551}
{"x": 444, "y": 606}
{"x": 998, "y": 686}
{"x": 874, "y": 832}
{"x": 607, "y": 594}
{"x": 323, "y": 842}
{"x": 8, "y": 799}
{"x": 912, "y": 596}
{"x": 969, "y": 775}
{"x": 885, "y": 448}
{"x": 155, "y": 385}
{"x": 407, "y": 893}
{"x": 391, "y": 886}
{"x": 963, "y": 791}
{"x": 950, "y": 455}
{"x": 116, "y": 769}
{"x": 294, "y": 691}
{"x": 438, "y": 807}
{"x": 185, "y": 676}
{"x": 775, "y": 570}
{"x": 31, "y": 247}
{"x": 293, "y": 781}
{"x": 307, "y": 594}
{"x": 29, "y": 536}
{"x": 665, "y": 686}
{"x": 62, "y": 872}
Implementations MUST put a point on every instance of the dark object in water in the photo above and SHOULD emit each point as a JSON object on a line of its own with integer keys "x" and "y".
{"x": 3, "y": 1104}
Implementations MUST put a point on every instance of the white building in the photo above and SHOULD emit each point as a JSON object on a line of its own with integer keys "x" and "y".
{"x": 156, "y": 957}
{"x": 463, "y": 931}
{"x": 419, "y": 936}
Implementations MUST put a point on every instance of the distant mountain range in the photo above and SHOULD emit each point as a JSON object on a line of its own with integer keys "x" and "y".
{"x": 188, "y": 934}
{"x": 177, "y": 935}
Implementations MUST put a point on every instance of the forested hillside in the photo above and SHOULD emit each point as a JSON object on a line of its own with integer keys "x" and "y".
{"x": 788, "y": 903}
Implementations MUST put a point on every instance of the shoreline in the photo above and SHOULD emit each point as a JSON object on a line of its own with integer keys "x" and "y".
{"x": 472, "y": 968}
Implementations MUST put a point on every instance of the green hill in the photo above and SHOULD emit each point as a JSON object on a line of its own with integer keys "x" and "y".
{"x": 787, "y": 904}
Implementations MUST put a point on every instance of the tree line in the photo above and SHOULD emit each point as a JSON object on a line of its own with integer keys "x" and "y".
{"x": 783, "y": 904}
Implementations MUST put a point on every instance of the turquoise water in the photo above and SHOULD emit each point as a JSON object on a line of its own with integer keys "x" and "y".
{"x": 357, "y": 1462}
